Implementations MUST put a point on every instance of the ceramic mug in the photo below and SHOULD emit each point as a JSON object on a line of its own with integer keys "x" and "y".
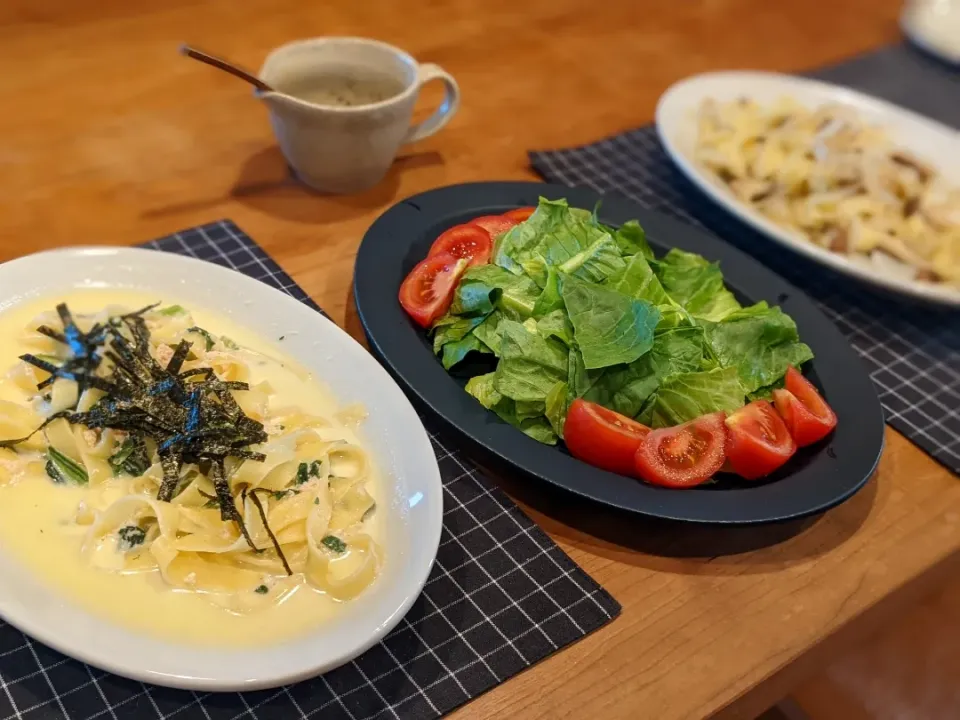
{"x": 344, "y": 149}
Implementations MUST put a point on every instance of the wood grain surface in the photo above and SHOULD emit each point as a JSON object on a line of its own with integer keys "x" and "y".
{"x": 107, "y": 136}
{"x": 908, "y": 671}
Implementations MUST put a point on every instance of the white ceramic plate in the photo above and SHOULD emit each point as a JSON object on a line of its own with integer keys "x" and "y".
{"x": 928, "y": 140}
{"x": 393, "y": 432}
{"x": 934, "y": 25}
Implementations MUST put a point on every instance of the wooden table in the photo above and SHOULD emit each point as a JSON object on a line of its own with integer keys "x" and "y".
{"x": 107, "y": 136}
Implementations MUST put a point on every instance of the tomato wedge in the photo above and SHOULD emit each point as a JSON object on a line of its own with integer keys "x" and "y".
{"x": 520, "y": 214}
{"x": 807, "y": 415}
{"x": 496, "y": 225}
{"x": 601, "y": 437}
{"x": 758, "y": 442}
{"x": 468, "y": 242}
{"x": 685, "y": 455}
{"x": 427, "y": 291}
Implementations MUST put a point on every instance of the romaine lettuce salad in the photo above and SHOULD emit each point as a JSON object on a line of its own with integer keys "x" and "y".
{"x": 571, "y": 308}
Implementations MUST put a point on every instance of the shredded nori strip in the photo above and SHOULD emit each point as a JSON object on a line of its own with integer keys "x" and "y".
{"x": 171, "y": 476}
{"x": 190, "y": 415}
{"x": 263, "y": 516}
{"x": 85, "y": 352}
{"x": 228, "y": 508}
{"x": 179, "y": 355}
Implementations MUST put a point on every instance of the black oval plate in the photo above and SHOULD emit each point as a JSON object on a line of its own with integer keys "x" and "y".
{"x": 815, "y": 479}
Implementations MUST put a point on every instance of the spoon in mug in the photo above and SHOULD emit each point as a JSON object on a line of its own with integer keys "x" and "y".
{"x": 229, "y": 67}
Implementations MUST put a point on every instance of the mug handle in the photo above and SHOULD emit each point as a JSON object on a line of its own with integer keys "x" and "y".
{"x": 447, "y": 109}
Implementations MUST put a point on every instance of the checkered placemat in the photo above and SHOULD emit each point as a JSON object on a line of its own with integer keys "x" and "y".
{"x": 911, "y": 351}
{"x": 501, "y": 597}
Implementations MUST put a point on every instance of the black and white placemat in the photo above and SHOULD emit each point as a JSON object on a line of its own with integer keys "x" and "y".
{"x": 912, "y": 352}
{"x": 501, "y": 597}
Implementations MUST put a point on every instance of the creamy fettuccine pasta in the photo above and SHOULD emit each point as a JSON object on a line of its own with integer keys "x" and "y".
{"x": 178, "y": 460}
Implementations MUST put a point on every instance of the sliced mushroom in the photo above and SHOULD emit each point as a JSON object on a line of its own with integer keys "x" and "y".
{"x": 837, "y": 239}
{"x": 779, "y": 122}
{"x": 902, "y": 158}
{"x": 725, "y": 175}
{"x": 911, "y": 206}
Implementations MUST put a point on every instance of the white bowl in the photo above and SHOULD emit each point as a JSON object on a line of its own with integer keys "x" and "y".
{"x": 934, "y": 25}
{"x": 936, "y": 144}
{"x": 393, "y": 433}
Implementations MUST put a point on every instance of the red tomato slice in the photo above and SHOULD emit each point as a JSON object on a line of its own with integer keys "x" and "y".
{"x": 469, "y": 242}
{"x": 601, "y": 437}
{"x": 520, "y": 214}
{"x": 758, "y": 442}
{"x": 807, "y": 415}
{"x": 496, "y": 225}
{"x": 685, "y": 455}
{"x": 427, "y": 291}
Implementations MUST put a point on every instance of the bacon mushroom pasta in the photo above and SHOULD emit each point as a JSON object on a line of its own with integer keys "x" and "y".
{"x": 837, "y": 179}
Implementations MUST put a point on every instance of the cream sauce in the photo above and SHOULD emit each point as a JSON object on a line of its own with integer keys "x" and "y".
{"x": 37, "y": 516}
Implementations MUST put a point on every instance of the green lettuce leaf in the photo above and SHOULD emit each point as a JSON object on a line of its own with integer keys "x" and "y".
{"x": 686, "y": 396}
{"x": 632, "y": 240}
{"x": 488, "y": 332}
{"x": 539, "y": 429}
{"x": 598, "y": 262}
{"x": 761, "y": 342}
{"x": 518, "y": 414}
{"x": 529, "y": 365}
{"x": 453, "y": 338}
{"x": 556, "y": 325}
{"x": 454, "y": 352}
{"x": 484, "y": 389}
{"x": 673, "y": 316}
{"x": 556, "y": 406}
{"x": 580, "y": 380}
{"x": 529, "y": 409}
{"x": 451, "y": 328}
{"x": 551, "y": 236}
{"x": 485, "y": 288}
{"x": 550, "y": 299}
{"x": 639, "y": 281}
{"x": 696, "y": 284}
{"x": 625, "y": 388}
{"x": 609, "y": 327}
